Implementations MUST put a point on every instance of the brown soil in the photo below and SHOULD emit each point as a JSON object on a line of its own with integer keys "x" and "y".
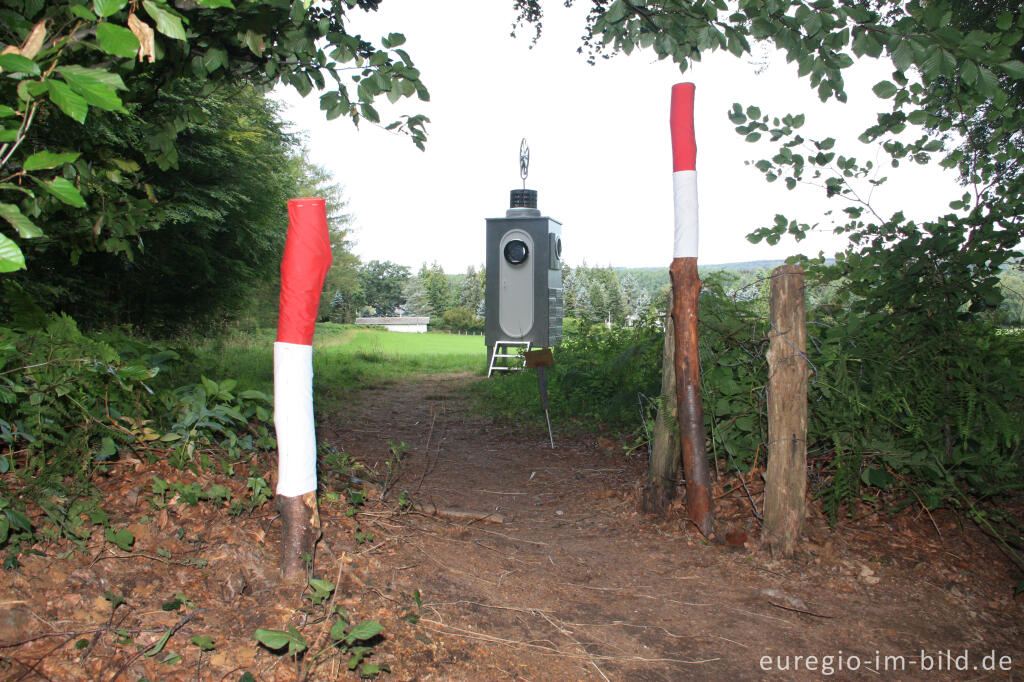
{"x": 572, "y": 584}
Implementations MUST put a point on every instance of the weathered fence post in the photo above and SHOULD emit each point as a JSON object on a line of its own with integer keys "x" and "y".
{"x": 786, "y": 479}
{"x": 663, "y": 467}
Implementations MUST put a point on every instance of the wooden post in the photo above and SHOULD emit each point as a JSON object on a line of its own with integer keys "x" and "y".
{"x": 300, "y": 529}
{"x": 663, "y": 467}
{"x": 686, "y": 292}
{"x": 304, "y": 265}
{"x": 786, "y": 479}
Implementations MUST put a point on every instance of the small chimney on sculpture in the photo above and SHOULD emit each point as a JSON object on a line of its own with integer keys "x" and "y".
{"x": 523, "y": 202}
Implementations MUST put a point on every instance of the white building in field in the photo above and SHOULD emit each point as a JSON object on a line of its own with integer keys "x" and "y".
{"x": 415, "y": 325}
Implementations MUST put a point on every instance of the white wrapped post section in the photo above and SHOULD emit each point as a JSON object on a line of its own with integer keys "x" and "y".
{"x": 684, "y": 187}
{"x": 293, "y": 419}
{"x": 684, "y": 171}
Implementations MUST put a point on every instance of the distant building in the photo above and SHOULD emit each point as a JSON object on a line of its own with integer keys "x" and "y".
{"x": 415, "y": 325}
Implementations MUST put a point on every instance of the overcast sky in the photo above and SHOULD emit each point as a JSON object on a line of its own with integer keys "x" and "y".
{"x": 599, "y": 141}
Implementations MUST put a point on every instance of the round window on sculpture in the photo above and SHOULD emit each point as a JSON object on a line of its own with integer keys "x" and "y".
{"x": 516, "y": 252}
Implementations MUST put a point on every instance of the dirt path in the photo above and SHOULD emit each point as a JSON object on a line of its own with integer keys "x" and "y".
{"x": 573, "y": 584}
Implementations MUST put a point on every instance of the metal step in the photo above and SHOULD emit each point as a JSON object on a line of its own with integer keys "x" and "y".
{"x": 505, "y": 346}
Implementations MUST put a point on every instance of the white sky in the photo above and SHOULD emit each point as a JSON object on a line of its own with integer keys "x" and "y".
{"x": 599, "y": 141}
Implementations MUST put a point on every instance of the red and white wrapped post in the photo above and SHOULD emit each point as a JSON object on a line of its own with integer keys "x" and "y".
{"x": 307, "y": 257}
{"x": 686, "y": 296}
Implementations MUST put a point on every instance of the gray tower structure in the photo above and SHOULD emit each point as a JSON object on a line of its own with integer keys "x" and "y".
{"x": 523, "y": 300}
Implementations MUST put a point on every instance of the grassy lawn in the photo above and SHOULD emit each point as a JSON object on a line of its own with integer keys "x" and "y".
{"x": 345, "y": 358}
{"x": 395, "y": 344}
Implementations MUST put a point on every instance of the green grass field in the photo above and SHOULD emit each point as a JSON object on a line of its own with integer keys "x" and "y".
{"x": 396, "y": 344}
{"x": 345, "y": 358}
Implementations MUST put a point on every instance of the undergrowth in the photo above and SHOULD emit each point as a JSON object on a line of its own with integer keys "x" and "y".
{"x": 899, "y": 413}
{"x": 72, "y": 406}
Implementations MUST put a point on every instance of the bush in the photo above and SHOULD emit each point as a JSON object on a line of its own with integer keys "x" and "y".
{"x": 71, "y": 404}
{"x": 932, "y": 417}
{"x": 461, "y": 320}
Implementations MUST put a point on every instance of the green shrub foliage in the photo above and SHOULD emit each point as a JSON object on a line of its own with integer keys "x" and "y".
{"x": 931, "y": 417}
{"x": 72, "y": 404}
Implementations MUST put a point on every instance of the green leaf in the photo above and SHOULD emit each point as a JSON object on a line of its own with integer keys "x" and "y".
{"x": 6, "y": 111}
{"x": 276, "y": 639}
{"x": 117, "y": 40}
{"x": 44, "y": 160}
{"x": 105, "y": 8}
{"x": 216, "y": 4}
{"x": 19, "y": 64}
{"x": 1014, "y": 68}
{"x": 272, "y": 639}
{"x": 18, "y": 520}
{"x": 372, "y": 670}
{"x": 884, "y": 89}
{"x": 988, "y": 82}
{"x": 108, "y": 449}
{"x": 919, "y": 117}
{"x": 25, "y": 227}
{"x": 97, "y": 86}
{"x": 321, "y": 585}
{"x": 903, "y": 55}
{"x": 214, "y": 59}
{"x": 368, "y": 629}
{"x": 167, "y": 22}
{"x": 969, "y": 72}
{"x": 203, "y": 642}
{"x": 159, "y": 645}
{"x": 82, "y": 13}
{"x": 338, "y": 630}
{"x": 616, "y": 12}
{"x": 71, "y": 103}
{"x": 65, "y": 191}
{"x": 122, "y": 538}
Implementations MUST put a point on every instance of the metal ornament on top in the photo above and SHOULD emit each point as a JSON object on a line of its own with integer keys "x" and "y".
{"x": 523, "y": 299}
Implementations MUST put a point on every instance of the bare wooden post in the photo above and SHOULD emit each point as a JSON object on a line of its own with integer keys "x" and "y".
{"x": 786, "y": 479}
{"x": 686, "y": 290}
{"x": 300, "y": 529}
{"x": 663, "y": 468}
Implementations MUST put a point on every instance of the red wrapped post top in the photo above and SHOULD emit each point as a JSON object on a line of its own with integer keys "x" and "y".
{"x": 307, "y": 257}
{"x": 684, "y": 141}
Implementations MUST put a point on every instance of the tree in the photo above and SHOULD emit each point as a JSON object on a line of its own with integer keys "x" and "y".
{"x": 200, "y": 241}
{"x": 67, "y": 59}
{"x": 570, "y": 291}
{"x": 383, "y": 285}
{"x": 958, "y": 72}
{"x": 918, "y": 295}
{"x": 635, "y": 299}
{"x": 611, "y": 291}
{"x": 471, "y": 290}
{"x": 437, "y": 288}
{"x": 416, "y": 303}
